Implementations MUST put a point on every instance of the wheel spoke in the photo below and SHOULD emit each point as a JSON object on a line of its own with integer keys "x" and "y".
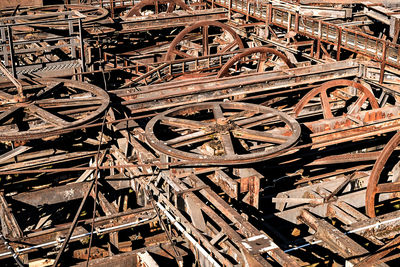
{"x": 47, "y": 116}
{"x": 326, "y": 108}
{"x": 254, "y": 121}
{"x": 47, "y": 89}
{"x": 388, "y": 187}
{"x": 189, "y": 139}
{"x": 6, "y": 114}
{"x": 228, "y": 47}
{"x": 217, "y": 111}
{"x": 205, "y": 40}
{"x": 259, "y": 136}
{"x": 171, "y": 7}
{"x": 356, "y": 107}
{"x": 261, "y": 62}
{"x": 185, "y": 123}
{"x": 226, "y": 141}
{"x": 181, "y": 54}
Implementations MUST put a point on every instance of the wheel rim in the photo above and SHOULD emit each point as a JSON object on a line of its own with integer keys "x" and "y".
{"x": 263, "y": 51}
{"x": 173, "y": 50}
{"x": 51, "y": 107}
{"x": 326, "y": 109}
{"x": 233, "y": 134}
{"x": 374, "y": 187}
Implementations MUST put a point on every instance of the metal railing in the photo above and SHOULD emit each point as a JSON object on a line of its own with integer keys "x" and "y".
{"x": 287, "y": 16}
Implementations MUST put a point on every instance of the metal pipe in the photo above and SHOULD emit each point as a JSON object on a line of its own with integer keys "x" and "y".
{"x": 11, "y": 250}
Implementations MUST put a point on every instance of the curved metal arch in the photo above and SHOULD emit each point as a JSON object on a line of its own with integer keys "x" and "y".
{"x": 373, "y": 187}
{"x": 224, "y": 71}
{"x": 172, "y": 51}
{"x": 367, "y": 95}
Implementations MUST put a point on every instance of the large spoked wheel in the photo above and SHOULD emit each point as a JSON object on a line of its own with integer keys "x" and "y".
{"x": 216, "y": 38}
{"x": 258, "y": 59}
{"x": 383, "y": 181}
{"x": 327, "y": 93}
{"x": 91, "y": 14}
{"x": 49, "y": 107}
{"x": 222, "y": 133}
{"x": 156, "y": 7}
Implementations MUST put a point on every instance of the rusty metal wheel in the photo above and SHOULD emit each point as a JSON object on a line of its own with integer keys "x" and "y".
{"x": 91, "y": 14}
{"x": 379, "y": 183}
{"x": 48, "y": 107}
{"x": 222, "y": 133}
{"x": 167, "y": 6}
{"x": 227, "y": 40}
{"x": 256, "y": 58}
{"x": 327, "y": 94}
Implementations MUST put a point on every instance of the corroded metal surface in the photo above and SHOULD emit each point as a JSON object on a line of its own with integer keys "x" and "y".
{"x": 230, "y": 123}
{"x": 153, "y": 171}
{"x": 49, "y": 107}
{"x": 231, "y": 42}
{"x": 263, "y": 56}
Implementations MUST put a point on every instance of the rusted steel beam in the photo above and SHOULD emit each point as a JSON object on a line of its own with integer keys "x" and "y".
{"x": 15, "y": 3}
{"x": 382, "y": 227}
{"x": 353, "y": 194}
{"x": 244, "y": 226}
{"x": 378, "y": 257}
{"x": 138, "y": 24}
{"x": 48, "y": 237}
{"x": 334, "y": 239}
{"x": 206, "y": 89}
{"x": 9, "y": 225}
{"x": 162, "y": 250}
{"x": 64, "y": 193}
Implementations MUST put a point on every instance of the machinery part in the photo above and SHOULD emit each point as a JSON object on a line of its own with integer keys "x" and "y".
{"x": 50, "y": 107}
{"x": 220, "y": 45}
{"x": 325, "y": 88}
{"x": 91, "y": 14}
{"x": 222, "y": 133}
{"x": 137, "y": 10}
{"x": 376, "y": 183}
{"x": 258, "y": 55}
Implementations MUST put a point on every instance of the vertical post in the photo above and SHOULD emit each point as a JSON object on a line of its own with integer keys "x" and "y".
{"x": 12, "y": 54}
{"x": 319, "y": 39}
{"x": 229, "y": 9}
{"x": 339, "y": 43}
{"x": 4, "y": 44}
{"x": 383, "y": 64}
{"x": 248, "y": 10}
{"x": 82, "y": 46}
{"x": 112, "y": 9}
{"x": 71, "y": 32}
{"x": 269, "y": 14}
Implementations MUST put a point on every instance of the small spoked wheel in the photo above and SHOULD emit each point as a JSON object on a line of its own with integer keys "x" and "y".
{"x": 48, "y": 107}
{"x": 215, "y": 38}
{"x": 331, "y": 90}
{"x": 258, "y": 59}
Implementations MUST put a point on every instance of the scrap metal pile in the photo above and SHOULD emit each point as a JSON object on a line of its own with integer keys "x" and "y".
{"x": 199, "y": 133}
